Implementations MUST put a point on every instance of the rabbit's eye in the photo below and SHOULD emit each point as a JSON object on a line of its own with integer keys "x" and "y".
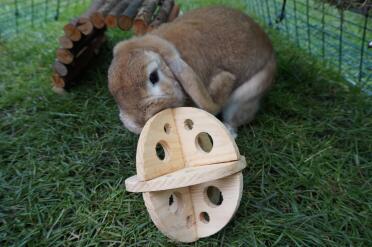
{"x": 154, "y": 77}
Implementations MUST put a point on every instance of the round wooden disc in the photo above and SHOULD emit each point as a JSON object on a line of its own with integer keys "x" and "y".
{"x": 186, "y": 177}
{"x": 189, "y": 168}
{"x": 189, "y": 213}
{"x": 188, "y": 136}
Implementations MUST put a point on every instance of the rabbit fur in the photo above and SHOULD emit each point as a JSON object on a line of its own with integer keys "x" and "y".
{"x": 214, "y": 58}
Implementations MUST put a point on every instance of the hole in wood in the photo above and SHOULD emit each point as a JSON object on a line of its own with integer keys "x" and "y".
{"x": 171, "y": 200}
{"x": 175, "y": 202}
{"x": 189, "y": 124}
{"x": 214, "y": 196}
{"x": 204, "y": 141}
{"x": 204, "y": 217}
{"x": 167, "y": 128}
{"x": 161, "y": 151}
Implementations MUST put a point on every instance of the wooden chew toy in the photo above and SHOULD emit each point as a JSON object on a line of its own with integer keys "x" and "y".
{"x": 193, "y": 188}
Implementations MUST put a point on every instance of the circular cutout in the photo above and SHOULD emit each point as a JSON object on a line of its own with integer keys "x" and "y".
{"x": 213, "y": 195}
{"x": 167, "y": 128}
{"x": 204, "y": 141}
{"x": 161, "y": 151}
{"x": 204, "y": 217}
{"x": 171, "y": 200}
{"x": 175, "y": 202}
{"x": 189, "y": 124}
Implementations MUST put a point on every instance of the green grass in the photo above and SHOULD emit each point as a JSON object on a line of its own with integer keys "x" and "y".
{"x": 64, "y": 158}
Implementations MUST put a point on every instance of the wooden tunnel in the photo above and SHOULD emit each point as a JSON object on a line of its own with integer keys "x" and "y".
{"x": 189, "y": 171}
{"x": 84, "y": 35}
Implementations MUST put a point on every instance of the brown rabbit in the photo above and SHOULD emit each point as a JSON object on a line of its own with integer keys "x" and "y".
{"x": 216, "y": 58}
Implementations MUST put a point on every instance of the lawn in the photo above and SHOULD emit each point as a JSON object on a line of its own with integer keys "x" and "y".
{"x": 64, "y": 158}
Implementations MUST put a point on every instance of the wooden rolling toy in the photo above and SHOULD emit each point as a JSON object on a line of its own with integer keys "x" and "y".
{"x": 189, "y": 171}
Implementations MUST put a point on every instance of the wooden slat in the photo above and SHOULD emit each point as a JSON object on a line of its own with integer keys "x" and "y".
{"x": 125, "y": 20}
{"x": 144, "y": 16}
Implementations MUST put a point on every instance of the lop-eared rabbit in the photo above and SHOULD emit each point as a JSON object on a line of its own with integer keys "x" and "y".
{"x": 214, "y": 58}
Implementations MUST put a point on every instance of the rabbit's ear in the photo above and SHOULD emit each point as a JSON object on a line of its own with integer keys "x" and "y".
{"x": 191, "y": 83}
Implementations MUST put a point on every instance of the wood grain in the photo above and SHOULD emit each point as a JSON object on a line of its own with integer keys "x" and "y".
{"x": 186, "y": 177}
{"x": 174, "y": 13}
{"x": 196, "y": 188}
{"x": 224, "y": 147}
{"x": 163, "y": 13}
{"x": 125, "y": 20}
{"x": 149, "y": 166}
{"x": 144, "y": 16}
{"x": 111, "y": 19}
{"x": 177, "y": 221}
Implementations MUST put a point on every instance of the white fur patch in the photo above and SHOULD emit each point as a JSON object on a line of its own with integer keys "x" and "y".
{"x": 155, "y": 90}
{"x": 232, "y": 130}
{"x": 244, "y": 93}
{"x": 252, "y": 88}
{"x": 154, "y": 59}
{"x": 153, "y": 65}
{"x": 244, "y": 101}
{"x": 129, "y": 123}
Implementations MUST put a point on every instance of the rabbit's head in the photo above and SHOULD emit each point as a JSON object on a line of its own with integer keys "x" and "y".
{"x": 142, "y": 84}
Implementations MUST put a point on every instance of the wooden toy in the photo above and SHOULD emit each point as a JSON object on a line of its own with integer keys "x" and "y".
{"x": 189, "y": 171}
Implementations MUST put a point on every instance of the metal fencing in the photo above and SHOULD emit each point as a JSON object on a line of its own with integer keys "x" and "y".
{"x": 18, "y": 15}
{"x": 341, "y": 36}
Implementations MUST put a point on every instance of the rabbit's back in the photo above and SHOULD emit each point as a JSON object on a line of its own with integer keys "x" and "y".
{"x": 219, "y": 38}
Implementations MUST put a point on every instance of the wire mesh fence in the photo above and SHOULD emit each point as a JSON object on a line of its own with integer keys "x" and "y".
{"x": 339, "y": 35}
{"x": 18, "y": 15}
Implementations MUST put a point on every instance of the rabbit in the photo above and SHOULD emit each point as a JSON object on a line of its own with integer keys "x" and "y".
{"x": 215, "y": 58}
